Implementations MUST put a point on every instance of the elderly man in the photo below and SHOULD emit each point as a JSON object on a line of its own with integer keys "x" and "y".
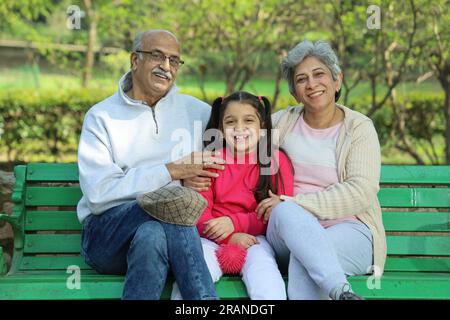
{"x": 127, "y": 148}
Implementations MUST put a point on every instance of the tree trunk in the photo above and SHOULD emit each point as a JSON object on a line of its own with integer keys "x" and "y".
{"x": 442, "y": 72}
{"x": 92, "y": 36}
{"x": 447, "y": 121}
{"x": 276, "y": 94}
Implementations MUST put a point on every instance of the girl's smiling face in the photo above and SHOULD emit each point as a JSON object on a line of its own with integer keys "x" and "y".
{"x": 241, "y": 126}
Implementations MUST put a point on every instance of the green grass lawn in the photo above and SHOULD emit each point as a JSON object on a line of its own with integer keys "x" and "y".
{"x": 27, "y": 77}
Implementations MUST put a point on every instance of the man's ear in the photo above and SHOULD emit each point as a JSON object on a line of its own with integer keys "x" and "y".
{"x": 133, "y": 61}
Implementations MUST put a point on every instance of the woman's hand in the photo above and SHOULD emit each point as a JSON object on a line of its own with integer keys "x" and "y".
{"x": 244, "y": 239}
{"x": 264, "y": 208}
{"x": 197, "y": 183}
{"x": 218, "y": 229}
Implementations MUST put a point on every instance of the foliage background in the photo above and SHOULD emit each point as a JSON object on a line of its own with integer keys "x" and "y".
{"x": 398, "y": 74}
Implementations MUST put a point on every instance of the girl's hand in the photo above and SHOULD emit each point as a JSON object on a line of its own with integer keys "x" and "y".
{"x": 197, "y": 183}
{"x": 264, "y": 208}
{"x": 244, "y": 239}
{"x": 218, "y": 229}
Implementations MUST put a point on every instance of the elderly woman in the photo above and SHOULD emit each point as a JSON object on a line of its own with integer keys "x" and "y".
{"x": 332, "y": 227}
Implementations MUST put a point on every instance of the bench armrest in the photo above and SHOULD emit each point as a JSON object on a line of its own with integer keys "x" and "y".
{"x": 2, "y": 263}
{"x": 13, "y": 220}
{"x": 17, "y": 228}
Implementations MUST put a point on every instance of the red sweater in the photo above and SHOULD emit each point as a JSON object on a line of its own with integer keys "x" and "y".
{"x": 231, "y": 194}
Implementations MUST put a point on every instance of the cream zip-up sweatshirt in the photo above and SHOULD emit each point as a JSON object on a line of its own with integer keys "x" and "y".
{"x": 359, "y": 167}
{"x": 125, "y": 144}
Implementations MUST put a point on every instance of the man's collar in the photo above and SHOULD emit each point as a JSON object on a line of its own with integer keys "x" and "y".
{"x": 131, "y": 101}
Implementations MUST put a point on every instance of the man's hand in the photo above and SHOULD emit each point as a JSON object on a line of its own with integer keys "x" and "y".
{"x": 264, "y": 208}
{"x": 244, "y": 239}
{"x": 218, "y": 229}
{"x": 195, "y": 164}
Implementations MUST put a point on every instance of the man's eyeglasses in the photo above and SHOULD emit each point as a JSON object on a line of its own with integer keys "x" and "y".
{"x": 159, "y": 57}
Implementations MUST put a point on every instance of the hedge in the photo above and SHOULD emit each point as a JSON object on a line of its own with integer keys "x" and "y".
{"x": 45, "y": 125}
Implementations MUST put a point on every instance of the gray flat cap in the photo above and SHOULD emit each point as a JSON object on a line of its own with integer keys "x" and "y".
{"x": 173, "y": 204}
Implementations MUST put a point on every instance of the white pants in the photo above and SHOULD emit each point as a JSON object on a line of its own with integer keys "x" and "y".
{"x": 260, "y": 273}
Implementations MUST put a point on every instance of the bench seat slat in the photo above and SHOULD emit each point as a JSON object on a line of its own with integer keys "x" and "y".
{"x": 403, "y": 285}
{"x": 394, "y": 285}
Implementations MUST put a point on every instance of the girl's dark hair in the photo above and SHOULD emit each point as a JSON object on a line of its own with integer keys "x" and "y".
{"x": 263, "y": 107}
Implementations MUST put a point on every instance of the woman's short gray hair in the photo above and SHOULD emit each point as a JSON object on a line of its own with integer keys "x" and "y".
{"x": 320, "y": 49}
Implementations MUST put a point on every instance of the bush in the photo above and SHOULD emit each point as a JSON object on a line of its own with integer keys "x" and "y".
{"x": 424, "y": 126}
{"x": 46, "y": 125}
{"x": 43, "y": 125}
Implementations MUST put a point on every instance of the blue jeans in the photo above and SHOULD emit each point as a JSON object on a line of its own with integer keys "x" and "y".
{"x": 126, "y": 240}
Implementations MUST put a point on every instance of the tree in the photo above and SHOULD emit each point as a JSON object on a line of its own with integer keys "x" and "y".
{"x": 236, "y": 36}
{"x": 435, "y": 50}
{"x": 92, "y": 16}
{"x": 346, "y": 17}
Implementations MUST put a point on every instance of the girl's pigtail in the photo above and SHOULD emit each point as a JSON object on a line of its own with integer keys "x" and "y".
{"x": 214, "y": 122}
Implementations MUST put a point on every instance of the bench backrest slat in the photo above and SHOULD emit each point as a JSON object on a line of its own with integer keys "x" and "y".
{"x": 392, "y": 220}
{"x": 52, "y": 243}
{"x": 389, "y": 197}
{"x": 396, "y": 174}
{"x": 418, "y": 245}
{"x": 67, "y": 172}
{"x": 52, "y": 196}
{"x": 416, "y": 221}
{"x": 51, "y": 220}
{"x": 415, "y": 197}
{"x": 410, "y": 174}
{"x": 52, "y": 263}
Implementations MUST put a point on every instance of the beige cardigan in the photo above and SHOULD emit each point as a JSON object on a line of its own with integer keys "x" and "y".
{"x": 359, "y": 164}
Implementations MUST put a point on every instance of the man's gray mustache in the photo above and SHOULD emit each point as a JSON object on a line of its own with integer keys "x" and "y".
{"x": 162, "y": 73}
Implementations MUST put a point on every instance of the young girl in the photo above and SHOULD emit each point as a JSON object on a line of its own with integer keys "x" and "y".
{"x": 253, "y": 171}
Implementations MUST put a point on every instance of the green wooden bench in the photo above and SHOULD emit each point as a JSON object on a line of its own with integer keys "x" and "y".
{"x": 416, "y": 214}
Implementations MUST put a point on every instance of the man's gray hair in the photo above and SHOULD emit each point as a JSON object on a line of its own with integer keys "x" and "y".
{"x": 137, "y": 45}
{"x": 320, "y": 49}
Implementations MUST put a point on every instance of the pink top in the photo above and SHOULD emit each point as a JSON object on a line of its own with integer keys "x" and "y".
{"x": 314, "y": 160}
{"x": 231, "y": 194}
